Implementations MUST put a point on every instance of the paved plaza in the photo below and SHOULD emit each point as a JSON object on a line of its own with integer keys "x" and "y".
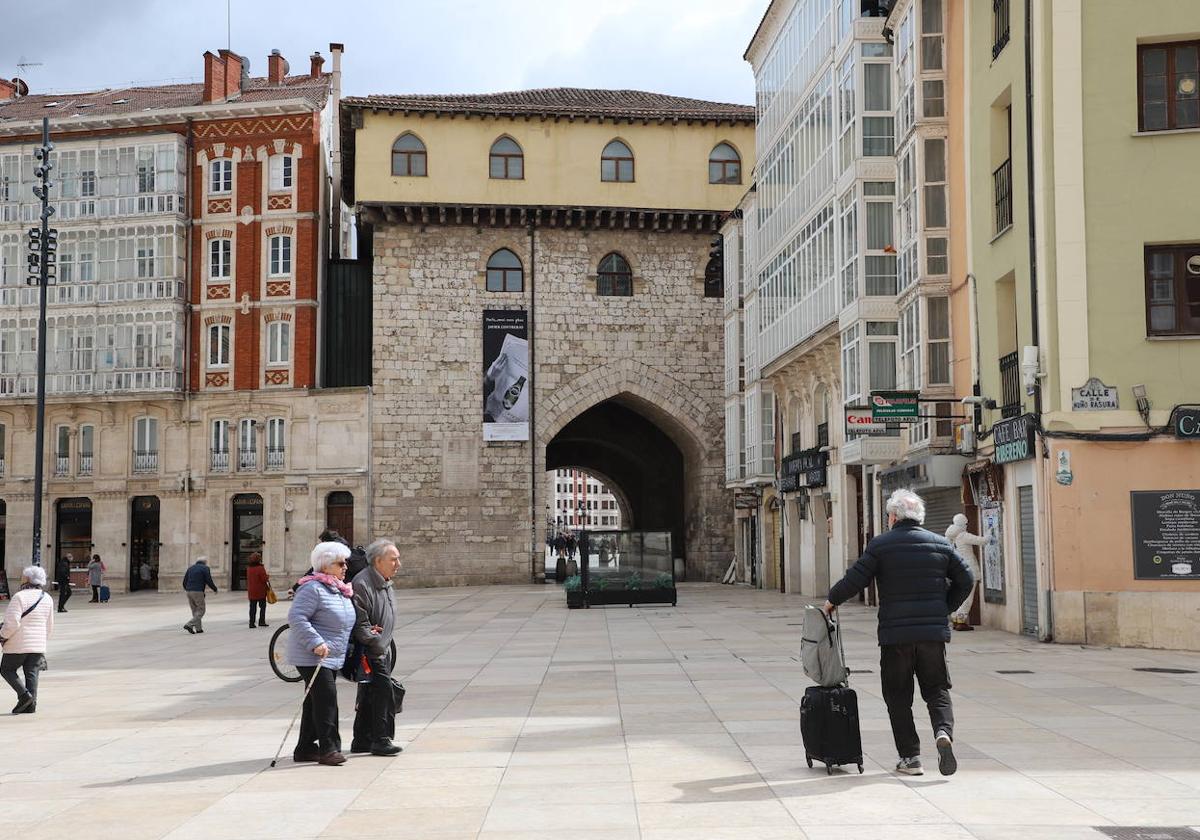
{"x": 526, "y": 720}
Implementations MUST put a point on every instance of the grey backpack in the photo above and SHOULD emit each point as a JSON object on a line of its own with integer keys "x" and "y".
{"x": 821, "y": 652}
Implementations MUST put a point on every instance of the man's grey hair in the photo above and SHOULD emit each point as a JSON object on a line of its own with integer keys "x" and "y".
{"x": 325, "y": 553}
{"x": 376, "y": 549}
{"x": 905, "y": 504}
{"x": 35, "y": 575}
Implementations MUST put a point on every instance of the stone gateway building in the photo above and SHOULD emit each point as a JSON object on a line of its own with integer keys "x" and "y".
{"x": 544, "y": 298}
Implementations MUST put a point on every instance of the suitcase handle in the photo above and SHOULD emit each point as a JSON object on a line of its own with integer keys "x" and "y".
{"x": 830, "y": 627}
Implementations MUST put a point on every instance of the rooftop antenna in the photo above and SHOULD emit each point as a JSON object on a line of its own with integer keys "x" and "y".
{"x": 22, "y": 64}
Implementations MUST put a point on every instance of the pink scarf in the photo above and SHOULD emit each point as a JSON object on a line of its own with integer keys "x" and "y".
{"x": 329, "y": 580}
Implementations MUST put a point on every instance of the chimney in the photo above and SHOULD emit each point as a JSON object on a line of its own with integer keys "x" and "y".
{"x": 214, "y": 78}
{"x": 235, "y": 68}
{"x": 8, "y": 90}
{"x": 277, "y": 67}
{"x": 314, "y": 71}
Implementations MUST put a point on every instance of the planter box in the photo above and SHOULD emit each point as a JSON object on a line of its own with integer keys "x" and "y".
{"x": 600, "y": 597}
{"x": 575, "y": 599}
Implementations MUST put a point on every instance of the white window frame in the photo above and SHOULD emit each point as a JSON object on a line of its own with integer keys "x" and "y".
{"x": 220, "y": 258}
{"x": 218, "y": 442}
{"x": 279, "y": 250}
{"x": 220, "y": 177}
{"x": 145, "y": 435}
{"x": 279, "y": 343}
{"x": 223, "y": 346}
{"x": 943, "y": 333}
{"x": 282, "y": 170}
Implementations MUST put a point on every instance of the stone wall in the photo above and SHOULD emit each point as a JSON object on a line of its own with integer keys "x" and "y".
{"x": 461, "y": 509}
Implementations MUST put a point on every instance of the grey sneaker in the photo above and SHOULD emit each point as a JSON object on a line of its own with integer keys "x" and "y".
{"x": 947, "y": 763}
{"x": 910, "y": 766}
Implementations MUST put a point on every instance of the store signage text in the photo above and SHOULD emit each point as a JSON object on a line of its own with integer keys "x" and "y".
{"x": 1186, "y": 423}
{"x": 1014, "y": 439}
{"x": 1094, "y": 395}
{"x": 861, "y": 423}
{"x": 806, "y": 468}
{"x": 895, "y": 405}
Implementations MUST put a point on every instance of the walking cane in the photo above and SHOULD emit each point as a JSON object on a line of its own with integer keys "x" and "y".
{"x": 296, "y": 717}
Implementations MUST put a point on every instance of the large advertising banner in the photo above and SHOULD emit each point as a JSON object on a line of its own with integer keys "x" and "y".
{"x": 505, "y": 374}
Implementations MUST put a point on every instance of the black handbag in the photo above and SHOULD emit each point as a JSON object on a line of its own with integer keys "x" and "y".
{"x": 355, "y": 668}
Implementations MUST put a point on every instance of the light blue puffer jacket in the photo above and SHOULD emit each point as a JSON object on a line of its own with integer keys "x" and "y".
{"x": 319, "y": 613}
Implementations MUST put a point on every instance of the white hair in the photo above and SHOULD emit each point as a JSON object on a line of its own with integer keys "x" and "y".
{"x": 35, "y": 575}
{"x": 905, "y": 504}
{"x": 325, "y": 553}
{"x": 376, "y": 549}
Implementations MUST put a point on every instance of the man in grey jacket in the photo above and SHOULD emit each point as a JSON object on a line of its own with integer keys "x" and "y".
{"x": 375, "y": 718}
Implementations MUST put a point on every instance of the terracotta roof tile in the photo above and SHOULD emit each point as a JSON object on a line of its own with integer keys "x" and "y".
{"x": 562, "y": 102}
{"x": 136, "y": 100}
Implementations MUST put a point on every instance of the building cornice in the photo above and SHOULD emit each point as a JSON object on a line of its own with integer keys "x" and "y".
{"x": 564, "y": 216}
{"x": 159, "y": 117}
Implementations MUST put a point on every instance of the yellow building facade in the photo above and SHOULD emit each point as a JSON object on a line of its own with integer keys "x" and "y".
{"x": 1086, "y": 273}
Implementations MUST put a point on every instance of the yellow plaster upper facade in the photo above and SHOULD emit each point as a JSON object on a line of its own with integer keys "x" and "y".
{"x": 561, "y": 165}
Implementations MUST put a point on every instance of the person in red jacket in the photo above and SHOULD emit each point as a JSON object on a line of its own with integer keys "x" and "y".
{"x": 256, "y": 588}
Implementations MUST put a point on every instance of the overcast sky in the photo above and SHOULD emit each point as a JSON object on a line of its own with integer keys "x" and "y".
{"x": 683, "y": 47}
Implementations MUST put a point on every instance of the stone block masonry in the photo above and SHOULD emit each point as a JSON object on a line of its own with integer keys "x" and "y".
{"x": 460, "y": 508}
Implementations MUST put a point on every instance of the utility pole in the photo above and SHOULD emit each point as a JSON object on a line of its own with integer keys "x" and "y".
{"x": 43, "y": 268}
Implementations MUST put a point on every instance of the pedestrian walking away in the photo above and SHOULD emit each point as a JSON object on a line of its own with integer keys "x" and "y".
{"x": 196, "y": 580}
{"x": 921, "y": 580}
{"x": 145, "y": 574}
{"x": 25, "y": 634}
{"x": 375, "y": 622}
{"x": 321, "y": 619}
{"x": 96, "y": 570}
{"x": 62, "y": 576}
{"x": 257, "y": 581}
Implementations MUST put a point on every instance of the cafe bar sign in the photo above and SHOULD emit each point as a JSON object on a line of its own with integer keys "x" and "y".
{"x": 1186, "y": 422}
{"x": 1014, "y": 439}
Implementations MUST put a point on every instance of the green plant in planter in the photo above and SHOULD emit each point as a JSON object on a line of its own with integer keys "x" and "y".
{"x": 573, "y": 583}
{"x": 600, "y": 583}
{"x": 664, "y": 581}
{"x": 633, "y": 582}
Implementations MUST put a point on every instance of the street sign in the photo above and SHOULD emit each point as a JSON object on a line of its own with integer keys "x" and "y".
{"x": 1014, "y": 438}
{"x": 1094, "y": 395}
{"x": 895, "y": 405}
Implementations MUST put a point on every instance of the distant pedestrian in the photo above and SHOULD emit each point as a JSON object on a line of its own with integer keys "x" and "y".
{"x": 321, "y": 618}
{"x": 357, "y": 562}
{"x": 96, "y": 570}
{"x": 921, "y": 580}
{"x": 375, "y": 622}
{"x": 28, "y": 623}
{"x": 196, "y": 580}
{"x": 62, "y": 576}
{"x": 146, "y": 574}
{"x": 257, "y": 581}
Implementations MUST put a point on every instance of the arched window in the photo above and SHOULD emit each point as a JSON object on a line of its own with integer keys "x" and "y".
{"x": 724, "y": 165}
{"x": 506, "y": 160}
{"x": 408, "y": 156}
{"x": 615, "y": 277}
{"x": 616, "y": 162}
{"x": 504, "y": 272}
{"x": 714, "y": 277}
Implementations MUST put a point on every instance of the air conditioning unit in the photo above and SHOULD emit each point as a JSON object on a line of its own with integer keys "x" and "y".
{"x": 964, "y": 438}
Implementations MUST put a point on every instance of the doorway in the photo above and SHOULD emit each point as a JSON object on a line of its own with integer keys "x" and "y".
{"x": 339, "y": 515}
{"x": 143, "y": 543}
{"x": 247, "y": 535}
{"x": 73, "y": 536}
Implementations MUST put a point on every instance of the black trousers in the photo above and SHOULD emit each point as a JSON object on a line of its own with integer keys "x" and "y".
{"x": 261, "y": 603}
{"x": 64, "y": 593}
{"x": 30, "y": 663}
{"x": 375, "y": 715}
{"x": 96, "y": 593}
{"x": 898, "y": 665}
{"x": 319, "y": 719}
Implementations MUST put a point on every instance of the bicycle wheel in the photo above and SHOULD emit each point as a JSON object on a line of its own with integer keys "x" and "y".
{"x": 277, "y": 655}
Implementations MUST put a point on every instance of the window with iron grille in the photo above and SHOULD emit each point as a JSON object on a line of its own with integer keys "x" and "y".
{"x": 615, "y": 278}
{"x": 1000, "y": 26}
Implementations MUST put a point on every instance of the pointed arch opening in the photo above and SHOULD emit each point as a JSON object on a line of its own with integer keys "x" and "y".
{"x": 506, "y": 160}
{"x": 409, "y": 156}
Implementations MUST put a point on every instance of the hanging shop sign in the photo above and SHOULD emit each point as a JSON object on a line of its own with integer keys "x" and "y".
{"x": 806, "y": 468}
{"x": 895, "y": 405}
{"x": 991, "y": 526}
{"x": 505, "y": 374}
{"x": 745, "y": 499}
{"x": 861, "y": 423}
{"x": 1186, "y": 422}
{"x": 1166, "y": 534}
{"x": 1014, "y": 438}
{"x": 1094, "y": 395}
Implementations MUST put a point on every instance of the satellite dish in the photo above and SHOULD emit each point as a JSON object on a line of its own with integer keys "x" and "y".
{"x": 22, "y": 88}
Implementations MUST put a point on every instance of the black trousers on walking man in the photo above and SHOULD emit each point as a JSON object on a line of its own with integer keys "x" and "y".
{"x": 898, "y": 666}
{"x": 375, "y": 715}
{"x": 64, "y": 594}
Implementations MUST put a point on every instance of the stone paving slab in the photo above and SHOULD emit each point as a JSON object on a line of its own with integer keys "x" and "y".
{"x": 526, "y": 720}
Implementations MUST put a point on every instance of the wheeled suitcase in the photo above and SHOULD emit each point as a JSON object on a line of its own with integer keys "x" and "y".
{"x": 104, "y": 594}
{"x": 829, "y": 727}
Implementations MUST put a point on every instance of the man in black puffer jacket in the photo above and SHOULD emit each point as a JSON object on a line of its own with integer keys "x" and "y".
{"x": 921, "y": 581}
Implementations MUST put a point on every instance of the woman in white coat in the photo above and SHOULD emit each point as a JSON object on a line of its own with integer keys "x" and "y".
{"x": 28, "y": 623}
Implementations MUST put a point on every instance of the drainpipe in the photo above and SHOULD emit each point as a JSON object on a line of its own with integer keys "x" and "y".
{"x": 533, "y": 445}
{"x": 187, "y": 356}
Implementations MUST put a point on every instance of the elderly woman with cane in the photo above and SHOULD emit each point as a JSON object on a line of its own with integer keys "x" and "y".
{"x": 321, "y": 617}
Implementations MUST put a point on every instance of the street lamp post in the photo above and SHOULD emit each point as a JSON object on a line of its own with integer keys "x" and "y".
{"x": 43, "y": 258}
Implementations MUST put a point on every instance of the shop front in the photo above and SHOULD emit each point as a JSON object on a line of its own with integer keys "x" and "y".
{"x": 73, "y": 537}
{"x": 144, "y": 543}
{"x": 808, "y": 519}
{"x": 247, "y": 535}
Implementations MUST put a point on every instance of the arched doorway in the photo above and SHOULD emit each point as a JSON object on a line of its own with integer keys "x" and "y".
{"x": 143, "y": 543}
{"x": 616, "y": 440}
{"x": 247, "y": 535}
{"x": 339, "y": 514}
